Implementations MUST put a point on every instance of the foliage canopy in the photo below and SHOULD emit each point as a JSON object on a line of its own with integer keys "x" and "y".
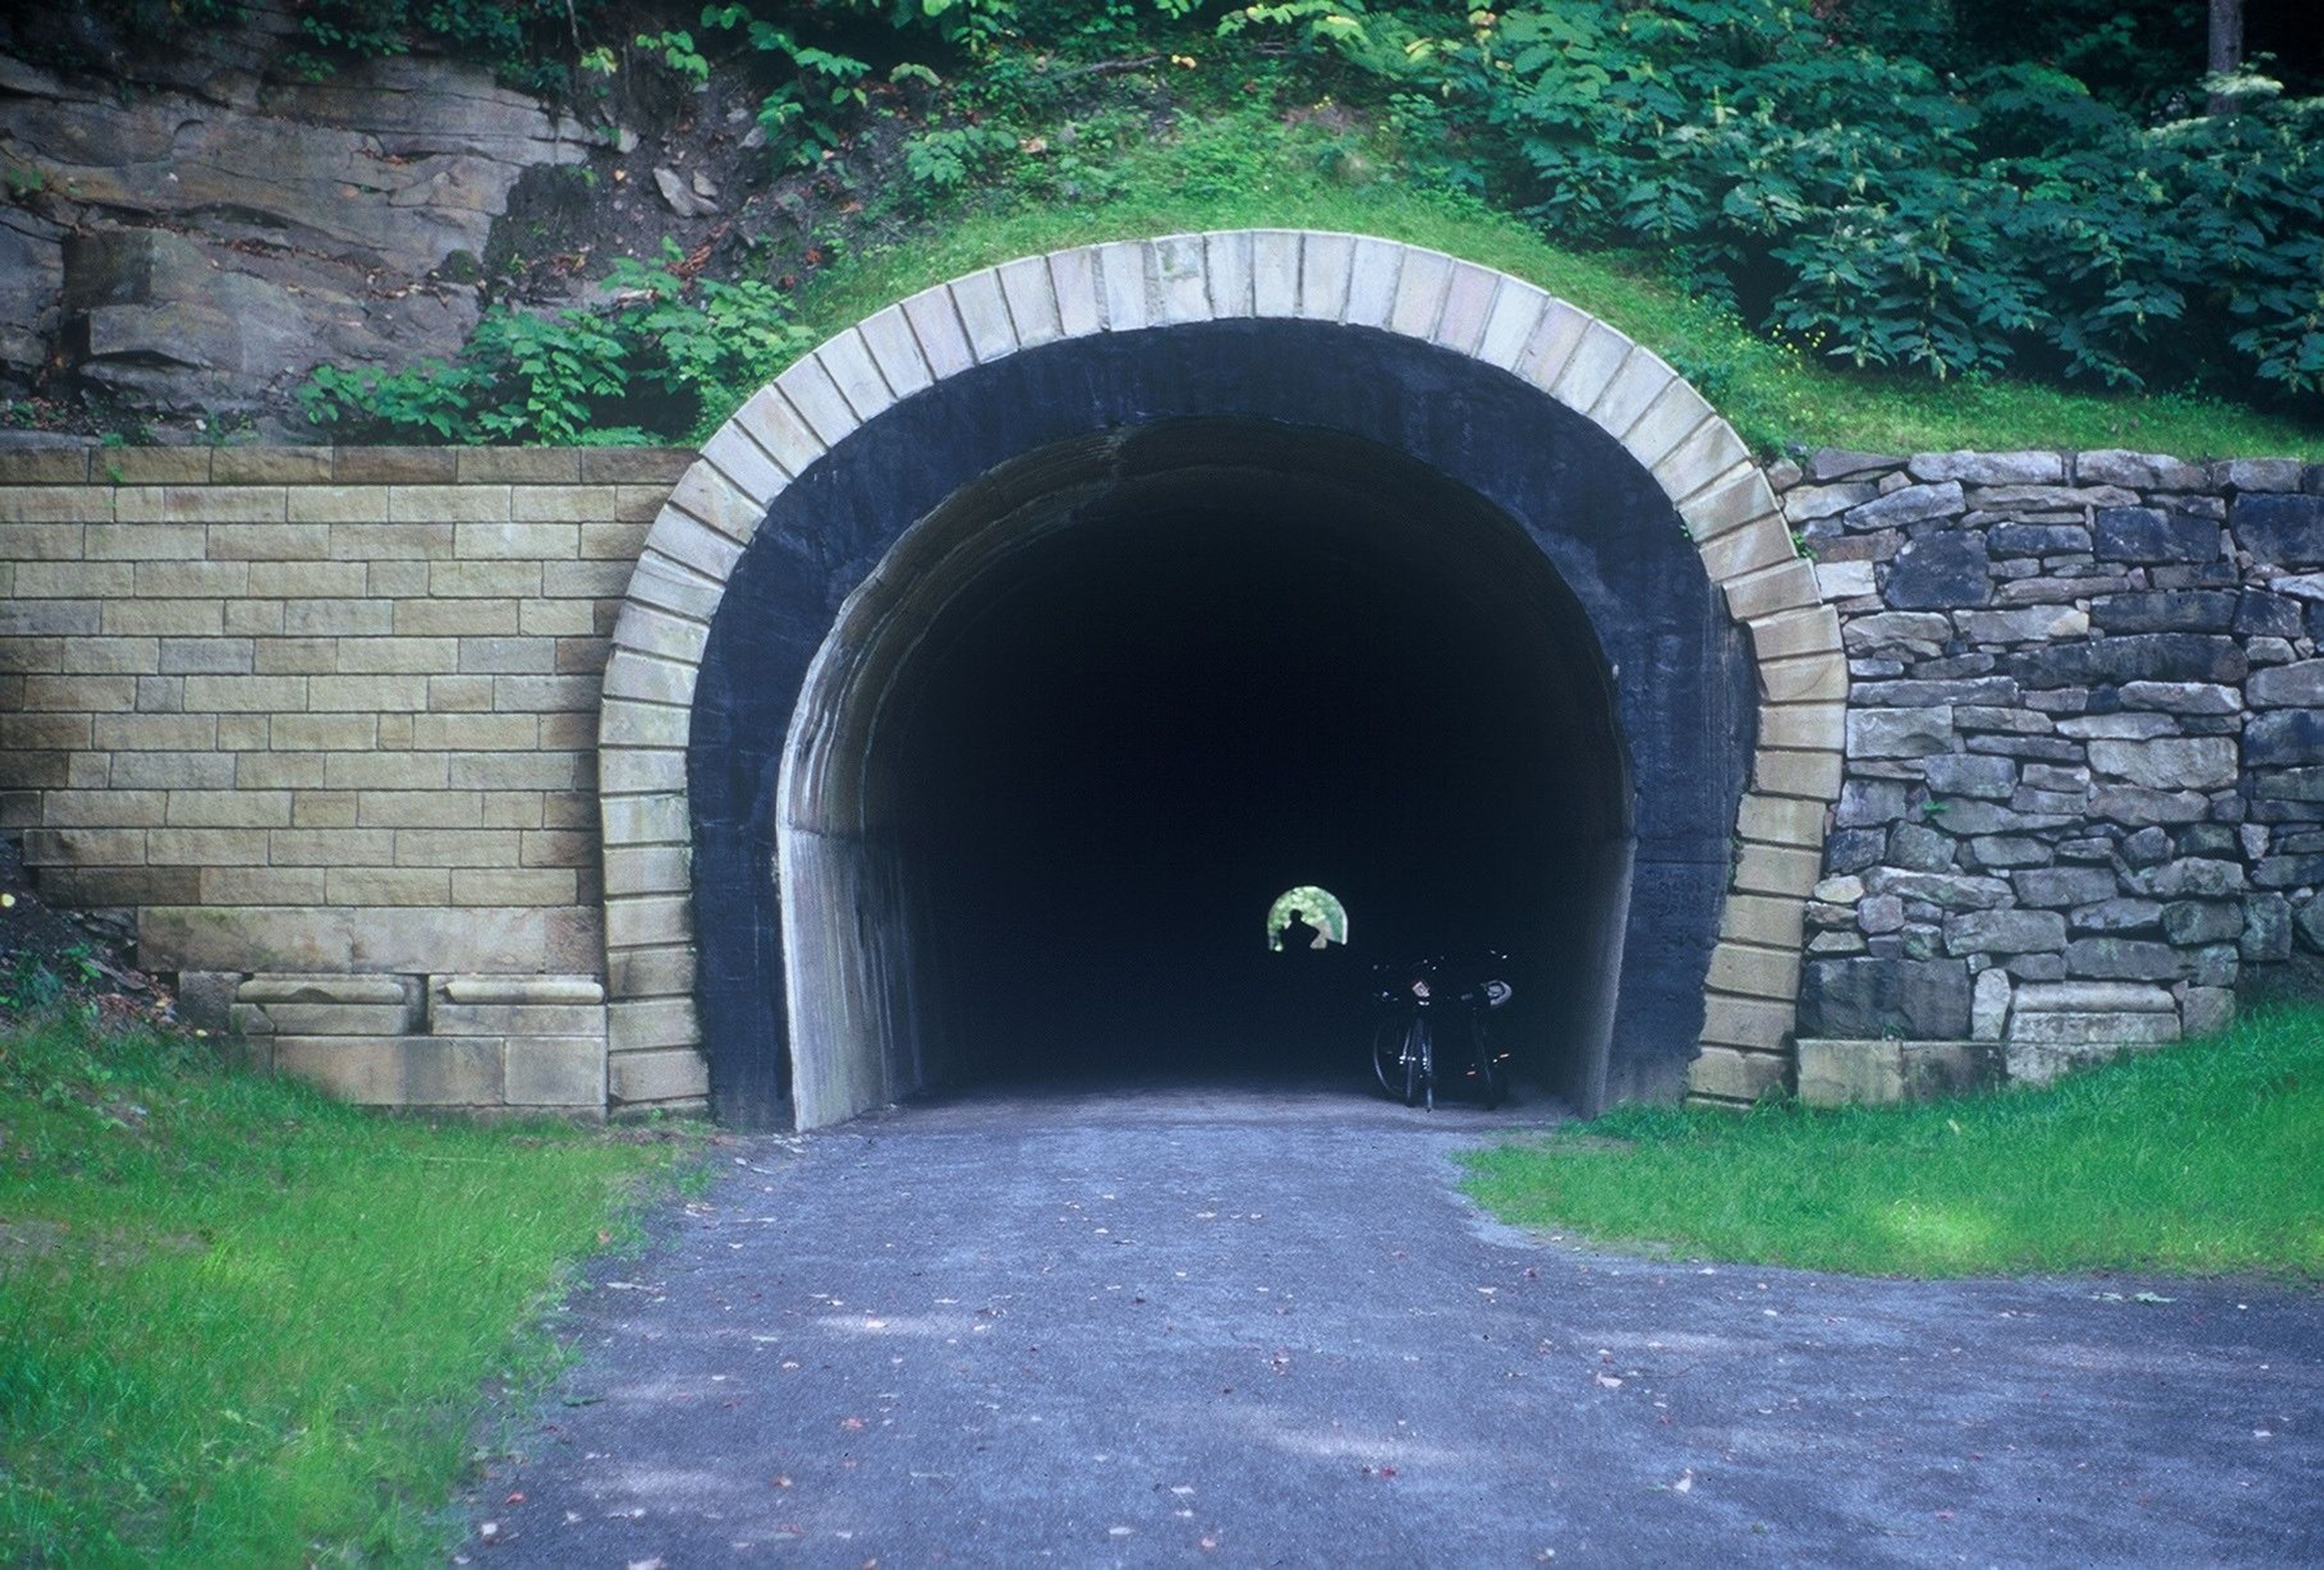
{"x": 1883, "y": 188}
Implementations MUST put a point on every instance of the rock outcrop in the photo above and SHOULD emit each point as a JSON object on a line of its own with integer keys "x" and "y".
{"x": 204, "y": 241}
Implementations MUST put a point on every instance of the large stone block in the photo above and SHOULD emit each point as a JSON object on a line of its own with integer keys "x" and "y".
{"x": 382, "y": 991}
{"x": 2139, "y": 471}
{"x": 1866, "y": 803}
{"x": 322, "y": 1019}
{"x": 2169, "y": 762}
{"x": 2207, "y": 1011}
{"x": 554, "y": 1071}
{"x": 2038, "y": 540}
{"x": 1884, "y": 1072}
{"x": 368, "y": 1071}
{"x": 1946, "y": 890}
{"x": 1989, "y": 1002}
{"x": 345, "y": 940}
{"x": 2095, "y": 1029}
{"x": 2188, "y": 878}
{"x": 2284, "y": 736}
{"x": 2150, "y": 534}
{"x": 2119, "y": 915}
{"x": 2057, "y": 888}
{"x": 2138, "y": 806}
{"x": 2133, "y": 657}
{"x": 1911, "y": 505}
{"x": 2006, "y": 932}
{"x": 2124, "y": 959}
{"x": 678, "y": 1076}
{"x": 1989, "y": 469}
{"x": 2187, "y": 611}
{"x": 1939, "y": 571}
{"x": 2189, "y": 923}
{"x": 1971, "y": 774}
{"x": 2093, "y": 997}
{"x": 2181, "y": 698}
{"x": 1729, "y": 1073}
{"x": 1873, "y": 997}
{"x": 451, "y": 1072}
{"x": 2267, "y": 929}
{"x": 2041, "y": 1063}
{"x": 2280, "y": 530}
{"x": 2299, "y": 685}
{"x": 2289, "y": 871}
{"x": 2262, "y": 614}
{"x": 1899, "y": 732}
{"x": 1922, "y": 632}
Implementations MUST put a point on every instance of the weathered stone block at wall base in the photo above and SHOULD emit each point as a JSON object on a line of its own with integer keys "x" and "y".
{"x": 481, "y": 1042}
{"x": 1886, "y": 1073}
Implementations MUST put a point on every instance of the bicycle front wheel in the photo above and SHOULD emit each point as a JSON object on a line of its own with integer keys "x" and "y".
{"x": 1415, "y": 1063}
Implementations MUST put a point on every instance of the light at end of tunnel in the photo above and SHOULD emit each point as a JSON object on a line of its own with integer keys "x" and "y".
{"x": 1307, "y": 907}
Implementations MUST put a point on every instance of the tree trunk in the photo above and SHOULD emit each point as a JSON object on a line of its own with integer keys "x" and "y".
{"x": 2227, "y": 46}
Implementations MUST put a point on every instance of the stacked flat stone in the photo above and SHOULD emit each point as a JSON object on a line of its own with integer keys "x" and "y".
{"x": 2085, "y": 773}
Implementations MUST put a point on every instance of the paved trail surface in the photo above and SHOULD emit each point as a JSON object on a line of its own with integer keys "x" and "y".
{"x": 1252, "y": 1329}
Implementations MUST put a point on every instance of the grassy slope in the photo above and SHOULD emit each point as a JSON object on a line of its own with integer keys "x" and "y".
{"x": 2208, "y": 1158}
{"x": 241, "y": 1325}
{"x": 1245, "y": 168}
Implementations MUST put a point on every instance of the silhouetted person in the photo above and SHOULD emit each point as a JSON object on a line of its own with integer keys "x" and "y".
{"x": 1298, "y": 934}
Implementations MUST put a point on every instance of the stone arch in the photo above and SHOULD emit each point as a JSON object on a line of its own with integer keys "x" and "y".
{"x": 1500, "y": 323}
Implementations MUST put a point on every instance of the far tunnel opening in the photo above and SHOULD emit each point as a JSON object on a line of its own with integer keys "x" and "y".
{"x": 1115, "y": 715}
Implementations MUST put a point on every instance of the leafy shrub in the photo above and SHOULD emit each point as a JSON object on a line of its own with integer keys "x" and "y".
{"x": 669, "y": 360}
{"x": 1864, "y": 204}
{"x": 948, "y": 158}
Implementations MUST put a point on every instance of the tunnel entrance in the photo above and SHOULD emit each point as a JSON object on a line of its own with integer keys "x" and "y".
{"x": 1130, "y": 709}
{"x": 1022, "y": 702}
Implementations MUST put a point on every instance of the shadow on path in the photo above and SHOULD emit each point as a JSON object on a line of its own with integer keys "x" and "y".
{"x": 1260, "y": 1326}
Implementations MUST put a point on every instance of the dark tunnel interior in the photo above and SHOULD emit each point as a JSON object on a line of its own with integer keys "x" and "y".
{"x": 1108, "y": 755}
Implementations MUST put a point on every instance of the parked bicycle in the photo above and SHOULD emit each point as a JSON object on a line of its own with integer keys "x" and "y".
{"x": 1421, "y": 1003}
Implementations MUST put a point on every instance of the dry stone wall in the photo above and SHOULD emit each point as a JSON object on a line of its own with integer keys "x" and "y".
{"x": 2085, "y": 775}
{"x": 323, "y": 723}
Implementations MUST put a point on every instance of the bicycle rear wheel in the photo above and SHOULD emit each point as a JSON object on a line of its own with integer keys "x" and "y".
{"x": 1416, "y": 1064}
{"x": 1492, "y": 1073}
{"x": 1387, "y": 1055}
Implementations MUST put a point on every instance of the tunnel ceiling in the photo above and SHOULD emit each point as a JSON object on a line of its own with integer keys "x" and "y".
{"x": 1130, "y": 583}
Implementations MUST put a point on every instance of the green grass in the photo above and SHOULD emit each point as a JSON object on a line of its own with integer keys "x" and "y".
{"x": 241, "y": 1325}
{"x": 2204, "y": 1159}
{"x": 1243, "y": 167}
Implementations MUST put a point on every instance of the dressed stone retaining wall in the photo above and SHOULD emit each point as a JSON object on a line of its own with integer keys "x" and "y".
{"x": 324, "y": 722}
{"x": 2085, "y": 774}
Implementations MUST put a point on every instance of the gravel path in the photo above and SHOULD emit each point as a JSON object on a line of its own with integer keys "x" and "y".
{"x": 1264, "y": 1329}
